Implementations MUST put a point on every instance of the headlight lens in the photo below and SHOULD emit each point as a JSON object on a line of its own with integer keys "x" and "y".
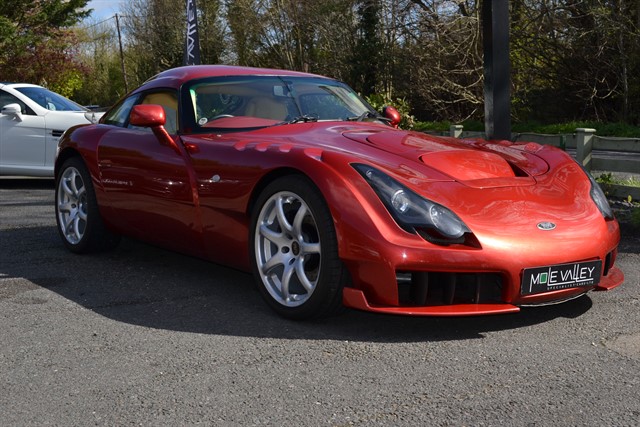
{"x": 446, "y": 221}
{"x": 413, "y": 212}
{"x": 600, "y": 199}
{"x": 598, "y": 196}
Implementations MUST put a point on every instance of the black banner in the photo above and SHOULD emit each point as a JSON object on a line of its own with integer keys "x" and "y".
{"x": 192, "y": 41}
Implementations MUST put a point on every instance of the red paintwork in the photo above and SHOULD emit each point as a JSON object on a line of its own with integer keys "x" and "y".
{"x": 393, "y": 115}
{"x": 147, "y": 116}
{"x": 355, "y": 298}
{"x": 194, "y": 194}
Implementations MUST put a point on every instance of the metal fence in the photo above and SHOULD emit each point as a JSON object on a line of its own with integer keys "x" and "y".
{"x": 594, "y": 152}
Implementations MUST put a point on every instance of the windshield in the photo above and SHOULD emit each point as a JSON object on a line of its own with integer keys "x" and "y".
{"x": 259, "y": 101}
{"x": 49, "y": 100}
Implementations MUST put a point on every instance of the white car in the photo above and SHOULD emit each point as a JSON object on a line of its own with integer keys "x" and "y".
{"x": 32, "y": 119}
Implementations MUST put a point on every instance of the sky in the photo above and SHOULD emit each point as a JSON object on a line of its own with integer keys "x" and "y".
{"x": 103, "y": 9}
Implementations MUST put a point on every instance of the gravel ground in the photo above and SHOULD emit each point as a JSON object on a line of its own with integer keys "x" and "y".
{"x": 143, "y": 336}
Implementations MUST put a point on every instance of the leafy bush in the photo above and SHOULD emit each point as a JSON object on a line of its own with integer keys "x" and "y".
{"x": 379, "y": 101}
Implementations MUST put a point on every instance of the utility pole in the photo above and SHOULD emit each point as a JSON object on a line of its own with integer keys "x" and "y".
{"x": 124, "y": 71}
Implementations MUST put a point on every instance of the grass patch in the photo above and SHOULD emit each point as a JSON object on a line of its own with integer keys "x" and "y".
{"x": 608, "y": 178}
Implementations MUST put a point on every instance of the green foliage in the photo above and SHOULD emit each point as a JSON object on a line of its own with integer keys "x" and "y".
{"x": 575, "y": 61}
{"x": 379, "y": 101}
{"x": 366, "y": 63}
{"x": 605, "y": 179}
{"x": 36, "y": 45}
{"x": 631, "y": 182}
{"x": 68, "y": 83}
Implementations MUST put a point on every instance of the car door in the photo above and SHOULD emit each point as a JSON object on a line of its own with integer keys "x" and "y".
{"x": 22, "y": 137}
{"x": 146, "y": 183}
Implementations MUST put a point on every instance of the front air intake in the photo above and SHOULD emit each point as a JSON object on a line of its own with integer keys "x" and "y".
{"x": 421, "y": 289}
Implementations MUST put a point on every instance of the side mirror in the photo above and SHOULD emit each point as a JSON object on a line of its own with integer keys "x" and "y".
{"x": 153, "y": 116}
{"x": 393, "y": 115}
{"x": 12, "y": 110}
{"x": 147, "y": 115}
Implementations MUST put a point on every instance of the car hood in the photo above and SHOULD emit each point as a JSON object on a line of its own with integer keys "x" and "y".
{"x": 476, "y": 163}
{"x": 65, "y": 119}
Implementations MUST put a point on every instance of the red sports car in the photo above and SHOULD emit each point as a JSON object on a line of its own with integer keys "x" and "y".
{"x": 294, "y": 177}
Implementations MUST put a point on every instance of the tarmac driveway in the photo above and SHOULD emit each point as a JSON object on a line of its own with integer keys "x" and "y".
{"x": 147, "y": 337}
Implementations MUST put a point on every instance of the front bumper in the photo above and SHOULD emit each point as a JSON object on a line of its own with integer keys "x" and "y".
{"x": 462, "y": 281}
{"x": 356, "y": 298}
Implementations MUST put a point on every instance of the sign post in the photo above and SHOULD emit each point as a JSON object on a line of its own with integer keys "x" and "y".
{"x": 192, "y": 41}
{"x": 497, "y": 69}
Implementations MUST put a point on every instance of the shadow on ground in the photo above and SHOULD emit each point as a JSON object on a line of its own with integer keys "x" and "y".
{"x": 146, "y": 286}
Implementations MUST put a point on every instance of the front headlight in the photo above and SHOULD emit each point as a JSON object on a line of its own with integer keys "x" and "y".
{"x": 598, "y": 196}
{"x": 413, "y": 212}
{"x": 600, "y": 199}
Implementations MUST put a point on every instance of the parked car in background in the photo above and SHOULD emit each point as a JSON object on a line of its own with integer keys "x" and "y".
{"x": 32, "y": 119}
{"x": 295, "y": 177}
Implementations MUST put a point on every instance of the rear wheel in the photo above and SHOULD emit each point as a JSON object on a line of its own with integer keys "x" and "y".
{"x": 77, "y": 215}
{"x": 294, "y": 250}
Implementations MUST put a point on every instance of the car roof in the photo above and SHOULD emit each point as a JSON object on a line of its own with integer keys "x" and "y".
{"x": 175, "y": 77}
{"x": 17, "y": 85}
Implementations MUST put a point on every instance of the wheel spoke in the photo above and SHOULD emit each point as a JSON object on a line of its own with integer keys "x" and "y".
{"x": 297, "y": 221}
{"x": 72, "y": 182}
{"x": 273, "y": 262}
{"x": 272, "y": 236}
{"x": 81, "y": 191}
{"x": 282, "y": 219}
{"x": 68, "y": 223}
{"x": 310, "y": 248}
{"x": 65, "y": 187}
{"x": 302, "y": 275}
{"x": 286, "y": 281}
{"x": 64, "y": 207}
{"x": 76, "y": 227}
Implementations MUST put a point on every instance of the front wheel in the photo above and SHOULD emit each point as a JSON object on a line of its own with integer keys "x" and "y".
{"x": 79, "y": 222}
{"x": 294, "y": 250}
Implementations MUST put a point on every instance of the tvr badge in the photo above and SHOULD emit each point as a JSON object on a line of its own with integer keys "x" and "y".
{"x": 546, "y": 225}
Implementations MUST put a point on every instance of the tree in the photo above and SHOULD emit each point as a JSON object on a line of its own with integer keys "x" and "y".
{"x": 368, "y": 49}
{"x": 155, "y": 31}
{"x": 37, "y": 44}
{"x": 99, "y": 52}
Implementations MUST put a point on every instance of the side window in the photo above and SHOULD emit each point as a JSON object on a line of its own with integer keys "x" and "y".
{"x": 168, "y": 99}
{"x": 7, "y": 98}
{"x": 119, "y": 115}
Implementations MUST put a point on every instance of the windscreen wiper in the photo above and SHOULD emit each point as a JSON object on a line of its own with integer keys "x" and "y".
{"x": 303, "y": 118}
{"x": 367, "y": 115}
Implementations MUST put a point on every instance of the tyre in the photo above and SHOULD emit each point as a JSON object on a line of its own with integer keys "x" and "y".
{"x": 294, "y": 250}
{"x": 79, "y": 222}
